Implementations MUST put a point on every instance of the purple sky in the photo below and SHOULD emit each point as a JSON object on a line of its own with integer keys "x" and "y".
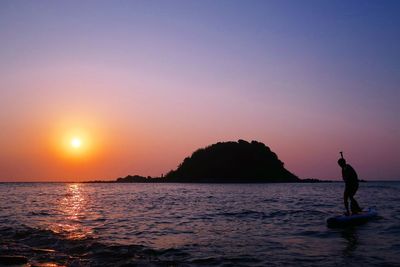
{"x": 147, "y": 82}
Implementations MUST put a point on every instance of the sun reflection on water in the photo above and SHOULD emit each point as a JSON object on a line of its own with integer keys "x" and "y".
{"x": 73, "y": 209}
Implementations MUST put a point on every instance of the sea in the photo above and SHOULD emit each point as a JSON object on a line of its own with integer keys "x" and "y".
{"x": 116, "y": 224}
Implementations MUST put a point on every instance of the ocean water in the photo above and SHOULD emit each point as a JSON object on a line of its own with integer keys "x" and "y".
{"x": 66, "y": 224}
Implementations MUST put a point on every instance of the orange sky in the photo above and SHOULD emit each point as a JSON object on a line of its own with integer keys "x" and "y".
{"x": 145, "y": 85}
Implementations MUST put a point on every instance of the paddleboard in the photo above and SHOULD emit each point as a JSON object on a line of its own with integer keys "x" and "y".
{"x": 356, "y": 219}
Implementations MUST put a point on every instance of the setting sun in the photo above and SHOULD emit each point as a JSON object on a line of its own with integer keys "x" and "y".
{"x": 76, "y": 142}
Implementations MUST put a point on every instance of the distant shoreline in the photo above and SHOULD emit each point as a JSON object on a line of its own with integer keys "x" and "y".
{"x": 165, "y": 181}
{"x": 115, "y": 182}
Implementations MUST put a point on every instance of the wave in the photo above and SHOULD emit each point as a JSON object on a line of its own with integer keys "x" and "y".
{"x": 251, "y": 214}
{"x": 244, "y": 214}
{"x": 44, "y": 246}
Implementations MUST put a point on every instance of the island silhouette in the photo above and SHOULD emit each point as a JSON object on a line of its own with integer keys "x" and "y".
{"x": 225, "y": 162}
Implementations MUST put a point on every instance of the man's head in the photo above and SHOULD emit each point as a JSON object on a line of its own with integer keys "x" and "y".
{"x": 342, "y": 162}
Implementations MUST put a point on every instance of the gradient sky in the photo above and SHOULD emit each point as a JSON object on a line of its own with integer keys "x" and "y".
{"x": 148, "y": 82}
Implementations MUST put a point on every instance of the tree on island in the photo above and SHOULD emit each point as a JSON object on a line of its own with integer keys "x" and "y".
{"x": 232, "y": 162}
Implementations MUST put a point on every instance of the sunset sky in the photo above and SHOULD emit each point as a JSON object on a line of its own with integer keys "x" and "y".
{"x": 103, "y": 89}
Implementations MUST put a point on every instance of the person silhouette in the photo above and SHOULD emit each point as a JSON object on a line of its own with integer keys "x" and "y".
{"x": 350, "y": 179}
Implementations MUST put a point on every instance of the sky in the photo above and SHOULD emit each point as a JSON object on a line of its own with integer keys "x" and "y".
{"x": 143, "y": 84}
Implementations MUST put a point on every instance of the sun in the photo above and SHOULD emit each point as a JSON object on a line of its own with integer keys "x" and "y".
{"x": 77, "y": 145}
{"x": 76, "y": 142}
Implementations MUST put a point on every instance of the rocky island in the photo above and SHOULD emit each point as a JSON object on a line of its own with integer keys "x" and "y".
{"x": 226, "y": 162}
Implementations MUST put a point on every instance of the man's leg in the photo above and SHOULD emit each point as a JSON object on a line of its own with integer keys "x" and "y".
{"x": 355, "y": 208}
{"x": 346, "y": 201}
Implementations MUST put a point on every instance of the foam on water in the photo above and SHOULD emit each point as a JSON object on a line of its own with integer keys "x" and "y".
{"x": 195, "y": 224}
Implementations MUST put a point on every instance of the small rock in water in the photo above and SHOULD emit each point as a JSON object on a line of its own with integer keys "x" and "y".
{"x": 13, "y": 260}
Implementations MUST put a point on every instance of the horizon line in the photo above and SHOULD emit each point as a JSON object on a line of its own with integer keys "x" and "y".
{"x": 94, "y": 181}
